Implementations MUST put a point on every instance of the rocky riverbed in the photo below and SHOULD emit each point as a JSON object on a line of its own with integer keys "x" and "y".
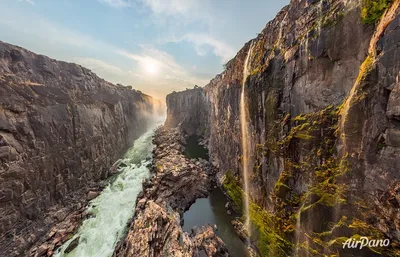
{"x": 175, "y": 184}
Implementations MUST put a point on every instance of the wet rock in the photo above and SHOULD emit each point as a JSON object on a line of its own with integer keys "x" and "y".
{"x": 227, "y": 205}
{"x": 60, "y": 215}
{"x": 393, "y": 137}
{"x": 92, "y": 194}
{"x": 74, "y": 243}
{"x": 141, "y": 203}
{"x": 240, "y": 229}
{"x": 42, "y": 250}
{"x": 215, "y": 227}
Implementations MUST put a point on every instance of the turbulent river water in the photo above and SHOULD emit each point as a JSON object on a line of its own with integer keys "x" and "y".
{"x": 113, "y": 208}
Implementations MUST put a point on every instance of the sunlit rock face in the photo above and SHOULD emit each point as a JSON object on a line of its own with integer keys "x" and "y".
{"x": 61, "y": 129}
{"x": 303, "y": 67}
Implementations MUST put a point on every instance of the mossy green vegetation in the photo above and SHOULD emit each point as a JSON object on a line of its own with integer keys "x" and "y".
{"x": 275, "y": 231}
{"x": 233, "y": 189}
{"x": 319, "y": 170}
{"x": 267, "y": 238}
{"x": 365, "y": 68}
{"x": 372, "y": 10}
{"x": 258, "y": 57}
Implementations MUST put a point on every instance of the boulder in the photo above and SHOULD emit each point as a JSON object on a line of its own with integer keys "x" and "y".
{"x": 92, "y": 194}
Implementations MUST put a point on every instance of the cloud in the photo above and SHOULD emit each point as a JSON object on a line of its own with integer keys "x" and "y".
{"x": 38, "y": 29}
{"x": 171, "y": 75}
{"x": 166, "y": 7}
{"x": 149, "y": 54}
{"x": 170, "y": 70}
{"x": 117, "y": 3}
{"x": 177, "y": 15}
{"x": 98, "y": 65}
{"x": 171, "y": 7}
{"x": 201, "y": 41}
{"x": 220, "y": 48}
{"x": 28, "y": 1}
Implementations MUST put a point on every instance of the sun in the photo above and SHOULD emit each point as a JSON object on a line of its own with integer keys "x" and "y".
{"x": 150, "y": 67}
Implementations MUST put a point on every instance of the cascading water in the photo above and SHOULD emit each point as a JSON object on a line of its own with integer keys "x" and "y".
{"x": 282, "y": 24}
{"x": 245, "y": 140}
{"x": 319, "y": 26}
{"x": 299, "y": 236}
{"x": 114, "y": 207}
{"x": 386, "y": 19}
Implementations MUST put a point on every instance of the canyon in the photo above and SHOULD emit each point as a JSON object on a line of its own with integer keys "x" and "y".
{"x": 301, "y": 130}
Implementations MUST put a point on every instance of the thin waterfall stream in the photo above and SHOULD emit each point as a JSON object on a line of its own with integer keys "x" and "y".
{"x": 245, "y": 140}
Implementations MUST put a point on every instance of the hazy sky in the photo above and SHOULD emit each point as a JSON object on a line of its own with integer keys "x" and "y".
{"x": 157, "y": 46}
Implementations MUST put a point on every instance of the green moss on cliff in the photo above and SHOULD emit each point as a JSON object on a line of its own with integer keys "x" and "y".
{"x": 268, "y": 237}
{"x": 233, "y": 189}
{"x": 365, "y": 68}
{"x": 372, "y": 10}
{"x": 318, "y": 170}
{"x": 359, "y": 93}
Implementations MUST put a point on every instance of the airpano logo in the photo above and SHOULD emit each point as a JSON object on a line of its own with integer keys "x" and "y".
{"x": 365, "y": 242}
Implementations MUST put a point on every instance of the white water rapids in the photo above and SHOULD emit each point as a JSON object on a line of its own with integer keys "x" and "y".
{"x": 113, "y": 208}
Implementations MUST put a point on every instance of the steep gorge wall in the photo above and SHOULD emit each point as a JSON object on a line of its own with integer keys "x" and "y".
{"x": 306, "y": 178}
{"x": 195, "y": 116}
{"x": 61, "y": 129}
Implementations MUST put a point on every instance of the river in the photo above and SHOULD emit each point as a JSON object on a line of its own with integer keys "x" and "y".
{"x": 211, "y": 210}
{"x": 113, "y": 208}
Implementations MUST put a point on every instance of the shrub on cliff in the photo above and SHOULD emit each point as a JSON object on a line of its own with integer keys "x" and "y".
{"x": 372, "y": 10}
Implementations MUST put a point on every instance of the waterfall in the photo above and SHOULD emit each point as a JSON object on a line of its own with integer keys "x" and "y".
{"x": 297, "y": 232}
{"x": 280, "y": 35}
{"x": 386, "y": 19}
{"x": 299, "y": 236}
{"x": 320, "y": 15}
{"x": 245, "y": 141}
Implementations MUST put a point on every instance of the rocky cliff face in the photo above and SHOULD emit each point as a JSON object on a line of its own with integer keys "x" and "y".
{"x": 194, "y": 118}
{"x": 322, "y": 103}
{"x": 61, "y": 129}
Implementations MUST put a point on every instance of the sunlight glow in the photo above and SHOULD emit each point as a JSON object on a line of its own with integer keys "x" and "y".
{"x": 151, "y": 67}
